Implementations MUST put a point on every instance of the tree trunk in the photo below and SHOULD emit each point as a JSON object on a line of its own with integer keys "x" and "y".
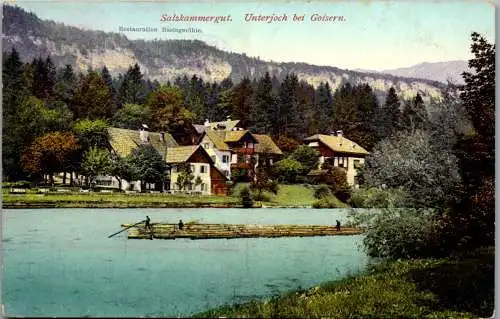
{"x": 64, "y": 178}
{"x": 51, "y": 178}
{"x": 71, "y": 179}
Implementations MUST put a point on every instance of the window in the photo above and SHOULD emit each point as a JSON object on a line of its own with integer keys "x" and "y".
{"x": 225, "y": 158}
{"x": 214, "y": 158}
{"x": 190, "y": 187}
{"x": 203, "y": 169}
{"x": 193, "y": 170}
{"x": 174, "y": 169}
{"x": 226, "y": 172}
{"x": 203, "y": 187}
{"x": 340, "y": 161}
{"x": 206, "y": 145}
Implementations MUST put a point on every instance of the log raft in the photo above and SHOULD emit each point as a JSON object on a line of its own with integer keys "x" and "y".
{"x": 228, "y": 231}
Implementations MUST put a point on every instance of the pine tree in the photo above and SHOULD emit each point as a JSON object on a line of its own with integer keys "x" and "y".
{"x": 344, "y": 109}
{"x": 13, "y": 94}
{"x": 13, "y": 83}
{"x": 306, "y": 96}
{"x": 241, "y": 102}
{"x": 133, "y": 88}
{"x": 471, "y": 223}
{"x": 211, "y": 100}
{"x": 108, "y": 79}
{"x": 225, "y": 104}
{"x": 66, "y": 85}
{"x": 50, "y": 80}
{"x": 353, "y": 112}
{"x": 263, "y": 103}
{"x": 226, "y": 84}
{"x": 387, "y": 118}
{"x": 92, "y": 98}
{"x": 415, "y": 115}
{"x": 286, "y": 115}
{"x": 195, "y": 97}
{"x": 322, "y": 112}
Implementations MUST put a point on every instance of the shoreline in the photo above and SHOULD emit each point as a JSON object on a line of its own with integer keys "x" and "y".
{"x": 386, "y": 289}
{"x": 72, "y": 204}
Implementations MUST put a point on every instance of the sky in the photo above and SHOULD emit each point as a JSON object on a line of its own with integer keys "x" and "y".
{"x": 374, "y": 35}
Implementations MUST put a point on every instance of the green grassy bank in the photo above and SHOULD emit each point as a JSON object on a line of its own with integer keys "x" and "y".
{"x": 291, "y": 195}
{"x": 288, "y": 196}
{"x": 426, "y": 288}
{"x": 97, "y": 200}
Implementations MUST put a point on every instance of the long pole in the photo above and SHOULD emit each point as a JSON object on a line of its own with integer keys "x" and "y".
{"x": 125, "y": 229}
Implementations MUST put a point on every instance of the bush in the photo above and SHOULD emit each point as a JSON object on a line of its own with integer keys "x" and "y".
{"x": 287, "y": 170}
{"x": 239, "y": 175}
{"x": 328, "y": 202}
{"x": 262, "y": 197}
{"x": 322, "y": 191}
{"x": 380, "y": 198}
{"x": 246, "y": 197}
{"x": 306, "y": 156}
{"x": 396, "y": 233}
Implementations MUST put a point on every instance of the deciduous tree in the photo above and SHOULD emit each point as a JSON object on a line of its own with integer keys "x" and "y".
{"x": 50, "y": 153}
{"x": 95, "y": 162}
{"x": 148, "y": 164}
{"x": 132, "y": 116}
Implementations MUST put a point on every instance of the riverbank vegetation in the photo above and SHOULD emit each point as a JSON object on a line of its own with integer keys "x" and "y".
{"x": 453, "y": 287}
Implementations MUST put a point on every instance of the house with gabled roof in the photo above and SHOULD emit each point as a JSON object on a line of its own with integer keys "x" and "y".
{"x": 237, "y": 148}
{"x": 207, "y": 178}
{"x": 340, "y": 151}
{"x": 268, "y": 152}
{"x": 213, "y": 181}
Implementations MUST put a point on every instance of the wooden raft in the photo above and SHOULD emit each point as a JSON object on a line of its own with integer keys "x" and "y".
{"x": 228, "y": 231}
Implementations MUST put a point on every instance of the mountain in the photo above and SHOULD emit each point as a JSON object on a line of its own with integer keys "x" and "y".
{"x": 439, "y": 71}
{"x": 166, "y": 59}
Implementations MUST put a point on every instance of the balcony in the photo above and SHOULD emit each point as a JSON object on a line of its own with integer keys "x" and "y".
{"x": 241, "y": 165}
{"x": 244, "y": 150}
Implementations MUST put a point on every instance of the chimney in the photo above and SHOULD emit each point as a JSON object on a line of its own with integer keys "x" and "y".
{"x": 162, "y": 137}
{"x": 339, "y": 133}
{"x": 143, "y": 133}
{"x": 228, "y": 118}
{"x": 207, "y": 122}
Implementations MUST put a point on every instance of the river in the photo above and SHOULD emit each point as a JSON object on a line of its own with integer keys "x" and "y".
{"x": 59, "y": 262}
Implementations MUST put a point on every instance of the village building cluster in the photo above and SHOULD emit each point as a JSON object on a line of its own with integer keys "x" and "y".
{"x": 220, "y": 148}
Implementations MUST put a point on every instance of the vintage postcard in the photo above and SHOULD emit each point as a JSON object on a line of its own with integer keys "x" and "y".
{"x": 248, "y": 159}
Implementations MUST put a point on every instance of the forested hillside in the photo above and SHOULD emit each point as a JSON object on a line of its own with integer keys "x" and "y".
{"x": 166, "y": 59}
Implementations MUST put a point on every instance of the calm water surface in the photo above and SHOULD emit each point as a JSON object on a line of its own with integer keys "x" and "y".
{"x": 59, "y": 262}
